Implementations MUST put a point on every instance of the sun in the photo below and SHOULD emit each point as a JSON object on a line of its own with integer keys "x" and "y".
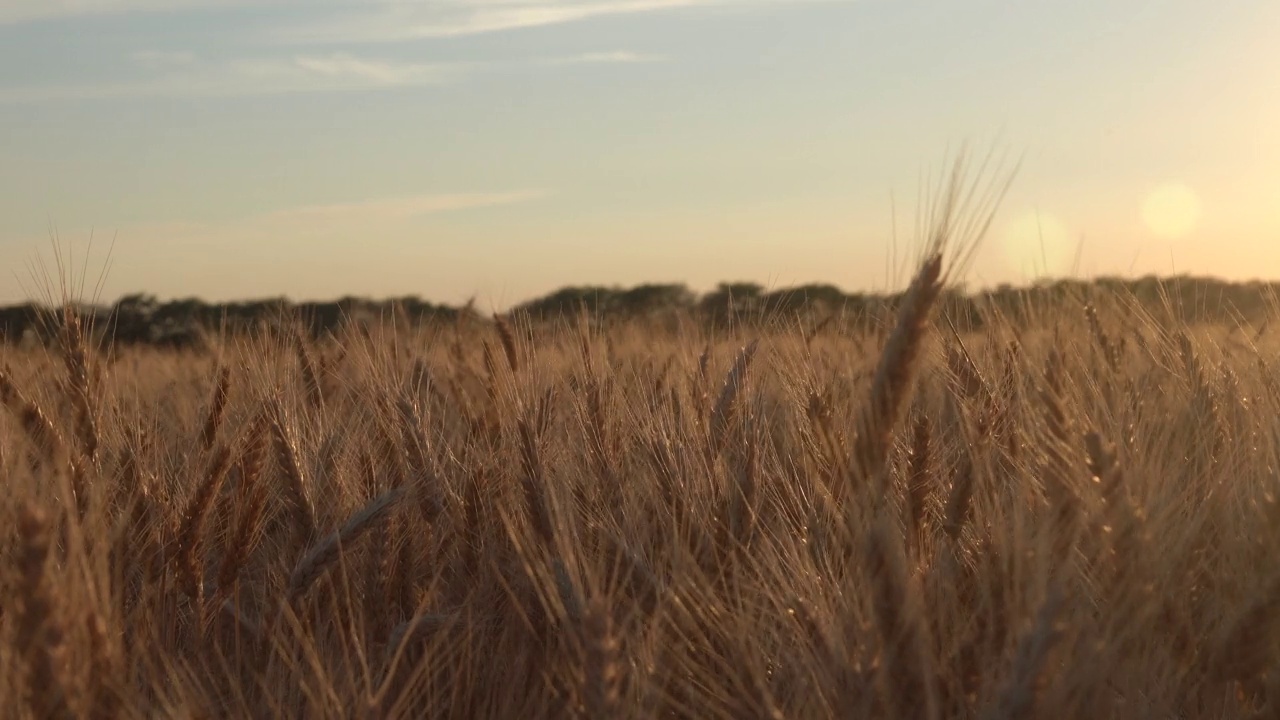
{"x": 1171, "y": 211}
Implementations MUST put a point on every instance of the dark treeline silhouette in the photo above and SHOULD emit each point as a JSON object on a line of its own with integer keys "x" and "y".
{"x": 144, "y": 320}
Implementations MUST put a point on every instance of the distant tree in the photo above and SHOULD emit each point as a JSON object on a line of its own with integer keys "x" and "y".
{"x": 816, "y": 298}
{"x": 651, "y": 298}
{"x": 132, "y": 318}
{"x": 17, "y": 321}
{"x": 731, "y": 303}
{"x": 320, "y": 318}
{"x": 571, "y": 301}
{"x": 142, "y": 319}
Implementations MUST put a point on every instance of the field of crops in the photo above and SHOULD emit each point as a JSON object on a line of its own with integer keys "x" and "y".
{"x": 1071, "y": 517}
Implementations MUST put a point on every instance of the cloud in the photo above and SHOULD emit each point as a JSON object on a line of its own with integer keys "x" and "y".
{"x": 178, "y": 75}
{"x": 607, "y": 58}
{"x": 389, "y": 21}
{"x": 367, "y": 21}
{"x": 342, "y": 66}
{"x": 295, "y": 62}
{"x": 183, "y": 74}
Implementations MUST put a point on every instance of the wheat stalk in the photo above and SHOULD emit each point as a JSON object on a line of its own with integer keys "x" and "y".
{"x": 40, "y": 638}
{"x": 1019, "y": 697}
{"x": 324, "y": 553}
{"x": 304, "y": 515}
{"x": 602, "y": 676}
{"x": 907, "y": 682}
{"x": 217, "y": 406}
{"x": 891, "y": 385}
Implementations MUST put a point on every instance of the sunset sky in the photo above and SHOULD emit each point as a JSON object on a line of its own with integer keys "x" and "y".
{"x": 504, "y": 148}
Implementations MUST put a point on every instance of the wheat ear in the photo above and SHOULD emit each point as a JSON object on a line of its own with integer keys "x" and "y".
{"x": 323, "y": 554}
{"x": 891, "y": 386}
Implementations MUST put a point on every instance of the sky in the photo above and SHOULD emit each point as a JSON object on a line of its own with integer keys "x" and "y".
{"x": 501, "y": 149}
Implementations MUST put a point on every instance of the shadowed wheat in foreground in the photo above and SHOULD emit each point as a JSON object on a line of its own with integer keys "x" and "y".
{"x": 533, "y": 520}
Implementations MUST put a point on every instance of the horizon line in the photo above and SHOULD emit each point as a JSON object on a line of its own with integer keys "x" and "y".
{"x": 962, "y": 287}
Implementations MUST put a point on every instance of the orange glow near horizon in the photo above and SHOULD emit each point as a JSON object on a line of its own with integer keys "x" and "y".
{"x": 1036, "y": 244}
{"x": 314, "y": 151}
{"x": 1172, "y": 211}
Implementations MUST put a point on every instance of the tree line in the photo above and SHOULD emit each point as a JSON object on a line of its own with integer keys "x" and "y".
{"x": 141, "y": 319}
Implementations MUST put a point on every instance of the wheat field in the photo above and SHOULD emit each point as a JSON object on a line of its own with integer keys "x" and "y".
{"x": 1070, "y": 516}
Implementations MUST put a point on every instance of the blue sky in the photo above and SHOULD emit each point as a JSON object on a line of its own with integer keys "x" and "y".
{"x": 504, "y": 148}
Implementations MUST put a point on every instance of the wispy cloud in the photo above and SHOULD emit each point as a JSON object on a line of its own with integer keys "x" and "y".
{"x": 181, "y": 75}
{"x": 345, "y": 68}
{"x": 605, "y": 58}
{"x": 398, "y": 21}
{"x": 297, "y": 60}
{"x": 366, "y": 21}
